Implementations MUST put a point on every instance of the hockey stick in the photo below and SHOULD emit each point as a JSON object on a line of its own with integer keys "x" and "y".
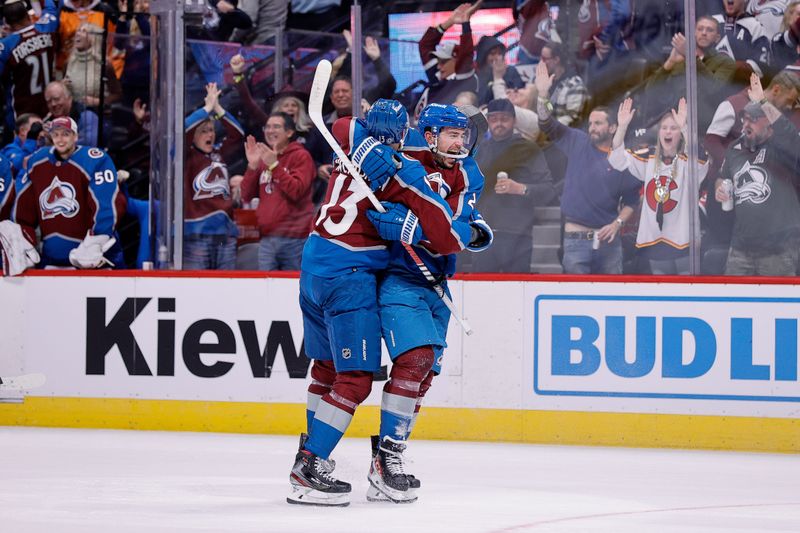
{"x": 22, "y": 382}
{"x": 319, "y": 86}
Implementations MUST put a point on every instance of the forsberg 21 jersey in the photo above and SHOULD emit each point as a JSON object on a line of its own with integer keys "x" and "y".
{"x": 343, "y": 238}
{"x": 26, "y": 63}
{"x": 66, "y": 198}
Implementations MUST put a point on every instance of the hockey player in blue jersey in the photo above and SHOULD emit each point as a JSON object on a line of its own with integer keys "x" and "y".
{"x": 414, "y": 319}
{"x": 338, "y": 288}
{"x": 26, "y": 57}
{"x": 70, "y": 193}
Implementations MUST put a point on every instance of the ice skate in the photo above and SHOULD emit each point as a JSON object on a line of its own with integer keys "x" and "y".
{"x": 373, "y": 494}
{"x": 312, "y": 483}
{"x": 387, "y": 478}
{"x": 329, "y": 463}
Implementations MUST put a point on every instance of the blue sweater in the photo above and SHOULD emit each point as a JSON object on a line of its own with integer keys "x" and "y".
{"x": 592, "y": 189}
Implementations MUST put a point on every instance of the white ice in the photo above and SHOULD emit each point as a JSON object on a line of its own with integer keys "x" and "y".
{"x": 64, "y": 480}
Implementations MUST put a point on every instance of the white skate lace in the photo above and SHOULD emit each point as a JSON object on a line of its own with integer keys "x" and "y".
{"x": 394, "y": 464}
{"x": 321, "y": 467}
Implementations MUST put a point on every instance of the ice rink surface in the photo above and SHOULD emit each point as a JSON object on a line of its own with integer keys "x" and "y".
{"x": 66, "y": 480}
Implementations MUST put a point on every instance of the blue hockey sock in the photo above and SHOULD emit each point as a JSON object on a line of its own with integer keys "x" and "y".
{"x": 327, "y": 429}
{"x": 397, "y": 414}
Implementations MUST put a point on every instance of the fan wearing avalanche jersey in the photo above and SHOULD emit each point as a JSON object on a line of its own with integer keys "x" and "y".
{"x": 338, "y": 288}
{"x": 210, "y": 233}
{"x": 26, "y": 58}
{"x": 70, "y": 193}
{"x": 414, "y": 319}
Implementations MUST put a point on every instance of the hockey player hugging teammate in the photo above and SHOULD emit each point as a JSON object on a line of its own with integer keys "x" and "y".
{"x": 338, "y": 287}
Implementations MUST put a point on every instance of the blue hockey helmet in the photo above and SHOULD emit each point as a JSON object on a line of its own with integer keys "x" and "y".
{"x": 436, "y": 117}
{"x": 387, "y": 121}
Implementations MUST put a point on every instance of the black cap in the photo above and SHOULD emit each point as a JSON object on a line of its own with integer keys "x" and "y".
{"x": 501, "y": 105}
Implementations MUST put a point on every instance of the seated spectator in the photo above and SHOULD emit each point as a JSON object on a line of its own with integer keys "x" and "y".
{"x": 763, "y": 168}
{"x": 517, "y": 181}
{"x": 744, "y": 40}
{"x": 593, "y": 191}
{"x": 568, "y": 94}
{"x": 77, "y": 217}
{"x": 94, "y": 12}
{"x": 61, "y": 104}
{"x": 280, "y": 174}
{"x": 85, "y": 69}
{"x": 25, "y": 142}
{"x": 26, "y": 71}
{"x": 668, "y": 84}
{"x": 664, "y": 235}
{"x": 785, "y": 43}
{"x": 492, "y": 67}
{"x": 209, "y": 232}
{"x": 448, "y": 66}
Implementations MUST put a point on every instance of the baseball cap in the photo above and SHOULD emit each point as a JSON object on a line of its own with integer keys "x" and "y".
{"x": 64, "y": 122}
{"x": 753, "y": 110}
{"x": 501, "y": 105}
{"x": 445, "y": 50}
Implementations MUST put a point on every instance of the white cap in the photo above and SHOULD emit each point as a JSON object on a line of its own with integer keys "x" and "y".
{"x": 445, "y": 50}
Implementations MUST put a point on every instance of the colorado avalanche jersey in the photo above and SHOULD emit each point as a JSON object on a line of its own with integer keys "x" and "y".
{"x": 26, "y": 63}
{"x": 66, "y": 198}
{"x": 461, "y": 187}
{"x": 744, "y": 39}
{"x": 6, "y": 189}
{"x": 207, "y": 200}
{"x": 343, "y": 238}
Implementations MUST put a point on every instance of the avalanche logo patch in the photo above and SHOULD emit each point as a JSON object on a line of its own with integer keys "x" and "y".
{"x": 58, "y": 199}
{"x": 96, "y": 153}
{"x": 751, "y": 184}
{"x": 212, "y": 181}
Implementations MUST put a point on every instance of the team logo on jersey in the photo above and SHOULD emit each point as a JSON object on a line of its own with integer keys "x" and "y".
{"x": 659, "y": 191}
{"x": 96, "y": 153}
{"x": 45, "y": 18}
{"x": 584, "y": 13}
{"x": 58, "y": 199}
{"x": 346, "y": 353}
{"x": 751, "y": 184}
{"x": 212, "y": 181}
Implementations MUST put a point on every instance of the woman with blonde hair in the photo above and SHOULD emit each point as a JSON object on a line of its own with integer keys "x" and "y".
{"x": 295, "y": 108}
{"x": 784, "y": 44}
{"x": 664, "y": 235}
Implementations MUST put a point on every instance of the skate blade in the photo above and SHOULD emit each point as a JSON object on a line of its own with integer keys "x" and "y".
{"x": 375, "y": 494}
{"x": 309, "y": 496}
